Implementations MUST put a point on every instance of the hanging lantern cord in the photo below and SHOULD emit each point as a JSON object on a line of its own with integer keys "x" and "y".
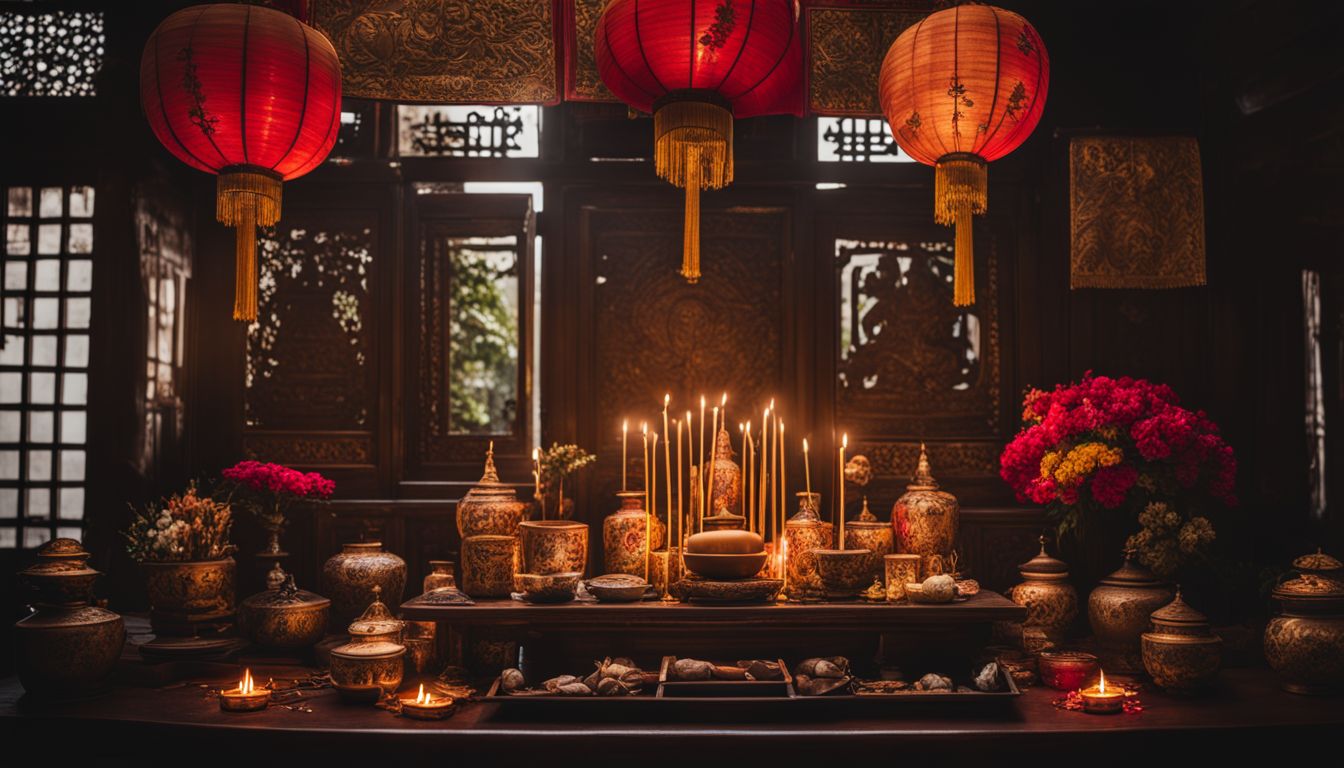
{"x": 690, "y": 256}
{"x": 693, "y": 149}
{"x": 961, "y": 192}
{"x": 246, "y": 198}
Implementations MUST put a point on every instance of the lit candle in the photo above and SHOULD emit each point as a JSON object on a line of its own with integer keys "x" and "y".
{"x": 425, "y": 707}
{"x": 246, "y": 697}
{"x": 807, "y": 467}
{"x": 536, "y": 480}
{"x": 713, "y": 456}
{"x": 723, "y": 411}
{"x": 667, "y": 465}
{"x": 844, "y": 443}
{"x": 700, "y": 480}
{"x": 766, "y": 521}
{"x": 681, "y": 521}
{"x": 625, "y": 432}
{"x": 691, "y": 460}
{"x": 644, "y": 432}
{"x": 747, "y": 497}
{"x": 1100, "y": 700}
{"x": 653, "y": 485}
{"x": 783, "y": 486}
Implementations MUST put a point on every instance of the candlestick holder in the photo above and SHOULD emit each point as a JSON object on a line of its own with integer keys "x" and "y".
{"x": 425, "y": 707}
{"x": 245, "y": 698}
{"x": 1103, "y": 700}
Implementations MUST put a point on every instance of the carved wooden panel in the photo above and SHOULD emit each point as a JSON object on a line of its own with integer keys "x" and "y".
{"x": 307, "y": 450}
{"x": 445, "y": 51}
{"x": 846, "y": 46}
{"x": 910, "y": 362}
{"x": 654, "y": 334}
{"x": 582, "y": 82}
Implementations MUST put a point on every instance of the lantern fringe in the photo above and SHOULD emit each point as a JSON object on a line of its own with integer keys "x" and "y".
{"x": 960, "y": 191}
{"x": 246, "y": 199}
{"x": 693, "y": 149}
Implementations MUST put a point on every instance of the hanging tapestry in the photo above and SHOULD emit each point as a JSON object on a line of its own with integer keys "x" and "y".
{"x": 1137, "y": 212}
{"x": 846, "y": 42}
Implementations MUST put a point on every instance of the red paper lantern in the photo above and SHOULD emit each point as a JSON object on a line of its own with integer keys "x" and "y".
{"x": 696, "y": 65}
{"x": 960, "y": 89}
{"x": 247, "y": 93}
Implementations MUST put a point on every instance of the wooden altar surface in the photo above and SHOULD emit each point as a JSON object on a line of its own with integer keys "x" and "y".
{"x": 1247, "y": 710}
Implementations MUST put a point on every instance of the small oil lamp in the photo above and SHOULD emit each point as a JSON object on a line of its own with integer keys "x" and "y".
{"x": 425, "y": 707}
{"x": 246, "y": 697}
{"x": 1098, "y": 700}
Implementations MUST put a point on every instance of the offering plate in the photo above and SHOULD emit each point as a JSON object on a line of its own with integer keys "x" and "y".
{"x": 729, "y": 591}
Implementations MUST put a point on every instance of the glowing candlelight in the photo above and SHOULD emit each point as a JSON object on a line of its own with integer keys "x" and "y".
{"x": 681, "y": 521}
{"x": 700, "y": 487}
{"x": 761, "y": 497}
{"x": 246, "y": 697}
{"x": 667, "y": 465}
{"x": 748, "y": 498}
{"x": 652, "y": 516}
{"x": 782, "y": 508}
{"x": 844, "y": 443}
{"x": 536, "y": 480}
{"x": 807, "y": 467}
{"x": 713, "y": 456}
{"x": 644, "y": 432}
{"x": 625, "y": 432}
{"x": 1099, "y": 700}
{"x": 425, "y": 707}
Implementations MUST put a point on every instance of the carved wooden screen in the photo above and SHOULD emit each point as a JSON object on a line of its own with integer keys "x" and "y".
{"x": 312, "y": 375}
{"x": 470, "y": 280}
{"x": 908, "y": 365}
{"x": 644, "y": 332}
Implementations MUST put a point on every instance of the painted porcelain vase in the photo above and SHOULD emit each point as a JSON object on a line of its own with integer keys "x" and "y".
{"x": 924, "y": 520}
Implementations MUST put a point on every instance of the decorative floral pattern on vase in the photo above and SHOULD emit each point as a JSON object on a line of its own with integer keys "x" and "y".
{"x": 554, "y": 546}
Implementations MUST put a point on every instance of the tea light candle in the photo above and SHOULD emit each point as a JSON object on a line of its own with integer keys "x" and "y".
{"x": 425, "y": 707}
{"x": 246, "y": 697}
{"x": 1099, "y": 700}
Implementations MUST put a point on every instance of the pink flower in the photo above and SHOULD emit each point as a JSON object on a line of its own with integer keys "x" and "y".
{"x": 1110, "y": 485}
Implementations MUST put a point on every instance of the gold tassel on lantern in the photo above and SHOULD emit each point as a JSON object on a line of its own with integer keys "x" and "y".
{"x": 693, "y": 149}
{"x": 960, "y": 191}
{"x": 246, "y": 198}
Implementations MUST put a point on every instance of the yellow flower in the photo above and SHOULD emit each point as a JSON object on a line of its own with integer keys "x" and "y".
{"x": 1048, "y": 463}
{"x": 1084, "y": 459}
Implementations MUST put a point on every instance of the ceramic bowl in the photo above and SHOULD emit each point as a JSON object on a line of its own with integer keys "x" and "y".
{"x": 725, "y": 566}
{"x": 617, "y": 588}
{"x": 843, "y": 571}
{"x": 549, "y": 587}
{"x": 1067, "y": 670}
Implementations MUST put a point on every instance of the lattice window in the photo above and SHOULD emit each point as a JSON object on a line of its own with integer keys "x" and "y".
{"x": 50, "y": 54}
{"x": 857, "y": 140}
{"x": 165, "y": 267}
{"x": 468, "y": 131}
{"x": 44, "y": 380}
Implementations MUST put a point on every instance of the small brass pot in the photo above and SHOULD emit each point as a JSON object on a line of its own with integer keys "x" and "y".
{"x": 843, "y": 571}
{"x": 198, "y": 589}
{"x": 553, "y": 546}
{"x": 1049, "y": 597}
{"x": 1305, "y": 643}
{"x": 873, "y": 536}
{"x": 1181, "y": 654}
{"x": 1118, "y": 611}
{"x": 287, "y": 617}
{"x": 349, "y": 575}
{"x": 488, "y": 565}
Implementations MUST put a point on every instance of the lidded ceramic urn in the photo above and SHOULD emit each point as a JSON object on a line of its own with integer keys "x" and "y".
{"x": 867, "y": 532}
{"x": 1049, "y": 597}
{"x": 490, "y": 508}
{"x": 624, "y": 539}
{"x": 1118, "y": 611}
{"x": 370, "y": 665}
{"x": 68, "y": 646}
{"x": 1181, "y": 653}
{"x": 725, "y": 479}
{"x": 924, "y": 520}
{"x": 287, "y": 617}
{"x": 1305, "y": 643}
{"x": 348, "y": 575}
{"x": 805, "y": 533}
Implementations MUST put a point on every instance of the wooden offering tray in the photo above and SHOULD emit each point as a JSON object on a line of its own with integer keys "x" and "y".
{"x": 670, "y": 687}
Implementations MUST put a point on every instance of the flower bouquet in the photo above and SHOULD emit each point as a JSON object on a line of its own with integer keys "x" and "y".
{"x": 1125, "y": 445}
{"x": 183, "y": 527}
{"x": 557, "y": 463}
{"x": 269, "y": 490}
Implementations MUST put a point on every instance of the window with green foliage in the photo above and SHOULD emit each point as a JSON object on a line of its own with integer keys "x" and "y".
{"x": 483, "y": 334}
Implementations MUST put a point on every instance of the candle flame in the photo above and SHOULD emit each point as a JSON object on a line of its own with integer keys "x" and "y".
{"x": 804, "y": 445}
{"x": 536, "y": 453}
{"x": 625, "y": 425}
{"x": 724, "y": 400}
{"x": 688, "y": 419}
{"x": 667, "y": 398}
{"x": 748, "y": 426}
{"x": 844, "y": 440}
{"x": 1101, "y": 686}
{"x": 245, "y": 686}
{"x": 702, "y": 402}
{"x": 741, "y": 427}
{"x": 772, "y": 403}
{"x": 422, "y": 697}
{"x": 644, "y": 428}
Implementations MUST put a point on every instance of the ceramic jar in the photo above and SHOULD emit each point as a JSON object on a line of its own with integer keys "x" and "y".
{"x": 287, "y": 617}
{"x": 370, "y": 666}
{"x": 843, "y": 572}
{"x": 1305, "y": 642}
{"x": 181, "y": 593}
{"x": 623, "y": 537}
{"x": 490, "y": 508}
{"x": 553, "y": 546}
{"x": 900, "y": 570}
{"x": 1181, "y": 653}
{"x": 440, "y": 576}
{"x": 725, "y": 479}
{"x": 805, "y": 533}
{"x": 349, "y": 576}
{"x": 924, "y": 520}
{"x": 1050, "y": 600}
{"x": 1118, "y": 611}
{"x": 488, "y": 565}
{"x": 867, "y": 532}
{"x": 67, "y": 647}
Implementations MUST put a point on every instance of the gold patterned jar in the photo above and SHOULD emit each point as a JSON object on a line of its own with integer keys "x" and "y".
{"x": 349, "y": 575}
{"x": 924, "y": 519}
{"x": 1118, "y": 611}
{"x": 553, "y": 546}
{"x": 181, "y": 593}
{"x": 1181, "y": 654}
{"x": 867, "y": 532}
{"x": 287, "y": 617}
{"x": 1050, "y": 600}
{"x": 725, "y": 480}
{"x": 370, "y": 665}
{"x": 805, "y": 533}
{"x": 1305, "y": 643}
{"x": 490, "y": 508}
{"x": 488, "y": 565}
{"x": 623, "y": 536}
{"x": 440, "y": 576}
{"x": 67, "y": 647}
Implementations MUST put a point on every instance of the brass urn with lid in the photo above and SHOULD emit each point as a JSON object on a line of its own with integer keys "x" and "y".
{"x": 490, "y": 508}
{"x": 924, "y": 520}
{"x": 1181, "y": 653}
{"x": 287, "y": 617}
{"x": 1305, "y": 643}
{"x": 867, "y": 532}
{"x": 1118, "y": 611}
{"x": 1049, "y": 597}
{"x": 68, "y": 646}
{"x": 370, "y": 665}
